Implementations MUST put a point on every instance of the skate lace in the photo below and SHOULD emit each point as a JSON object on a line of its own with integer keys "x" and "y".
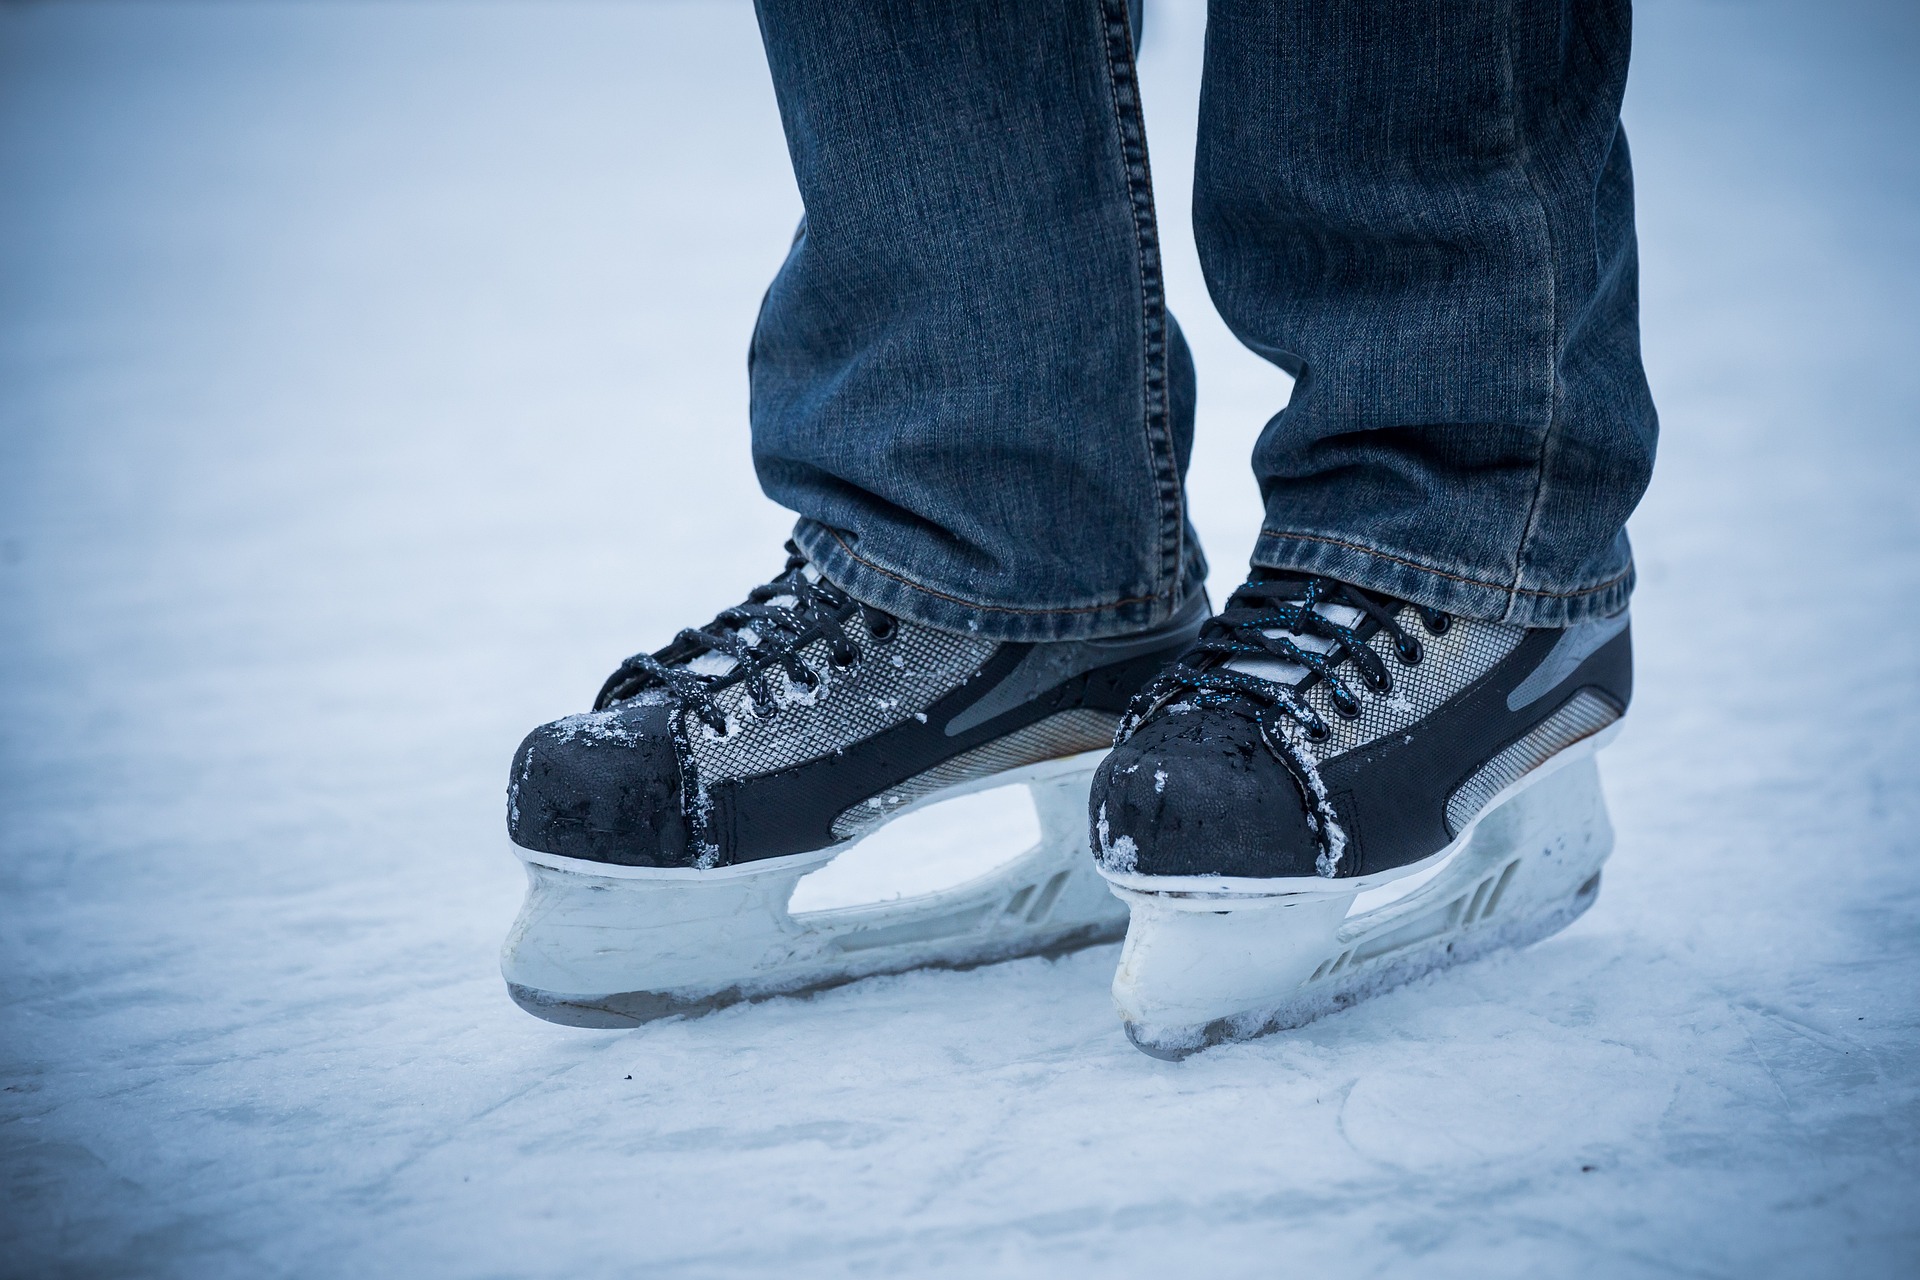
{"x": 762, "y": 634}
{"x": 1267, "y": 619}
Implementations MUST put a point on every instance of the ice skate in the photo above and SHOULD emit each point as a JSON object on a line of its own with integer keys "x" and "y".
{"x": 1333, "y": 793}
{"x": 663, "y": 833}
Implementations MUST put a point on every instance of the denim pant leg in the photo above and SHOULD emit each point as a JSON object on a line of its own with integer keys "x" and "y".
{"x": 1424, "y": 211}
{"x": 964, "y": 376}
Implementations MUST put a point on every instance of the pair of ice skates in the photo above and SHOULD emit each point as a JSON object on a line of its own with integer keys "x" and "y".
{"x": 1313, "y": 796}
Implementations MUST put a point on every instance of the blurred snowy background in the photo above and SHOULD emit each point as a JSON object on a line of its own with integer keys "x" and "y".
{"x": 372, "y": 380}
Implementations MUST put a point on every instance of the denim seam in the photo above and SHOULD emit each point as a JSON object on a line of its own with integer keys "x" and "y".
{"x": 1130, "y": 131}
{"x": 1528, "y": 527}
{"x": 1616, "y": 580}
{"x": 905, "y": 581}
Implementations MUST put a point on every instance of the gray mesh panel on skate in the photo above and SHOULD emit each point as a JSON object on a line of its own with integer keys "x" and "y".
{"x": 1452, "y": 662}
{"x": 891, "y": 682}
{"x": 1585, "y": 714}
{"x": 1065, "y": 734}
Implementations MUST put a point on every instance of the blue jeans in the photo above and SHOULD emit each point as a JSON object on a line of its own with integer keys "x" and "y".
{"x": 967, "y": 383}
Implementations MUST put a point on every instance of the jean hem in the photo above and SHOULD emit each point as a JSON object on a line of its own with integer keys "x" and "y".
{"x": 1373, "y": 569}
{"x": 892, "y": 591}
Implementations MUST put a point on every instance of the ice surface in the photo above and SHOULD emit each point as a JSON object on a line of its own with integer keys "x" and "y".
{"x": 373, "y": 383}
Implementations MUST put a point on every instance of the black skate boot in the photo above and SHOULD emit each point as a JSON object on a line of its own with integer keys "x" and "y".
{"x": 664, "y": 831}
{"x": 1333, "y": 792}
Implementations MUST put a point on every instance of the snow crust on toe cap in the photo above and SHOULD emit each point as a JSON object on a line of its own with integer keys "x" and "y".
{"x": 609, "y": 726}
{"x": 1119, "y": 855}
{"x": 602, "y": 787}
{"x": 1198, "y": 793}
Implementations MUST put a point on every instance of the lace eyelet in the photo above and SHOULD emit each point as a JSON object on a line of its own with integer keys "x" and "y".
{"x": 1384, "y": 685}
{"x": 1410, "y": 653}
{"x": 1318, "y": 733}
{"x": 882, "y": 628}
{"x": 1439, "y": 624}
{"x": 1346, "y": 712}
{"x": 852, "y": 657}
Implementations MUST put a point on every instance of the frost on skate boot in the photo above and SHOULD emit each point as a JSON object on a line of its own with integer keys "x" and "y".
{"x": 664, "y": 831}
{"x": 1333, "y": 792}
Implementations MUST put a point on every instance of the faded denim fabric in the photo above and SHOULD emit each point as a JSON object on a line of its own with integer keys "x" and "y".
{"x": 966, "y": 381}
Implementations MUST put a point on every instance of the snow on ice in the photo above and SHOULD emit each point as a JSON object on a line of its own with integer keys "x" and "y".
{"x": 374, "y": 383}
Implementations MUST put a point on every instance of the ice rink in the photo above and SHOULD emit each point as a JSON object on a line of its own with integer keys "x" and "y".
{"x": 372, "y": 379}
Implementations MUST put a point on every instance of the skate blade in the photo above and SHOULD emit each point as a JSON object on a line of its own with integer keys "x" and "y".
{"x": 615, "y": 947}
{"x": 1201, "y": 969}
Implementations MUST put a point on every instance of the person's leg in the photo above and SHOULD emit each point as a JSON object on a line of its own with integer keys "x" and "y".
{"x": 1424, "y": 210}
{"x": 965, "y": 379}
{"x": 966, "y": 382}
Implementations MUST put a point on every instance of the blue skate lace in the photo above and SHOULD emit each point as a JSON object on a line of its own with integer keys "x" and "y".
{"x": 819, "y": 611}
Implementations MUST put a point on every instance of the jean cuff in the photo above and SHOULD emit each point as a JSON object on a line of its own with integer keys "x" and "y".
{"x": 895, "y": 592}
{"x": 1463, "y": 595}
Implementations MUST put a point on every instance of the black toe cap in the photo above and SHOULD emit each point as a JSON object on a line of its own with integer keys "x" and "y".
{"x": 604, "y": 787}
{"x": 1198, "y": 793}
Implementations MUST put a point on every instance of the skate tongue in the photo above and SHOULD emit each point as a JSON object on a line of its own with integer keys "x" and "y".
{"x": 786, "y": 608}
{"x": 712, "y": 664}
{"x": 808, "y": 573}
{"x": 1292, "y": 673}
{"x": 715, "y": 664}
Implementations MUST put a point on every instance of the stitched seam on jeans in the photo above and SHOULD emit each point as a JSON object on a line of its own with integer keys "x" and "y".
{"x": 1553, "y": 352}
{"x": 1614, "y": 581}
{"x": 1156, "y": 408}
{"x": 975, "y": 604}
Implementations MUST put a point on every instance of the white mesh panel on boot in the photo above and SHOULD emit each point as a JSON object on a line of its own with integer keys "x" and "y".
{"x": 1449, "y": 664}
{"x": 891, "y": 683}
